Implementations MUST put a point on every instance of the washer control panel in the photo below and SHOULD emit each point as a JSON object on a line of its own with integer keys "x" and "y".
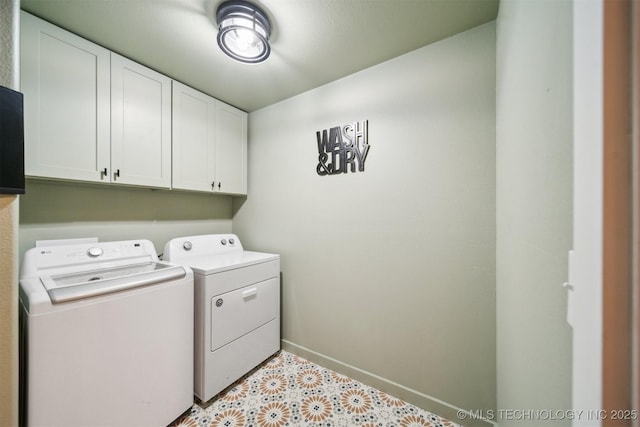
{"x": 95, "y": 252}
{"x": 203, "y": 245}
{"x": 74, "y": 257}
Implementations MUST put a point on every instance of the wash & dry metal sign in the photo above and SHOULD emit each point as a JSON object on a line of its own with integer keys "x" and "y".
{"x": 342, "y": 148}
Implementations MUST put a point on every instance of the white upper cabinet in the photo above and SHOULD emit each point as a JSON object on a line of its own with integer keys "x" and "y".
{"x": 65, "y": 81}
{"x": 231, "y": 149}
{"x": 194, "y": 116}
{"x": 140, "y": 124}
{"x": 92, "y": 115}
{"x": 209, "y": 143}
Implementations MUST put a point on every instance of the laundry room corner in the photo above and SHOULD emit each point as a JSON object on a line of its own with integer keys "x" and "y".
{"x": 390, "y": 268}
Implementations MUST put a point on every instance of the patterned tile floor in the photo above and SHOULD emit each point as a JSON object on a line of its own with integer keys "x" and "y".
{"x": 288, "y": 390}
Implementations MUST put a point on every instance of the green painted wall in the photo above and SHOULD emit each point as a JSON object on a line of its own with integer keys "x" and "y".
{"x": 534, "y": 206}
{"x": 390, "y": 270}
{"x": 64, "y": 210}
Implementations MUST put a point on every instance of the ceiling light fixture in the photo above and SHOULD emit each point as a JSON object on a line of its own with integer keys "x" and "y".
{"x": 243, "y": 31}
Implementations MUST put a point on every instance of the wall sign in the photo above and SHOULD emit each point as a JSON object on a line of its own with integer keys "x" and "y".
{"x": 342, "y": 148}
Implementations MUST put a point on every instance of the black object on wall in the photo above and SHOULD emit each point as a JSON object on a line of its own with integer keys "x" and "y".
{"x": 11, "y": 142}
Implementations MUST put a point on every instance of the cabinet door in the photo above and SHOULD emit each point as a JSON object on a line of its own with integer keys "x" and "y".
{"x": 140, "y": 124}
{"x": 65, "y": 81}
{"x": 193, "y": 139}
{"x": 231, "y": 149}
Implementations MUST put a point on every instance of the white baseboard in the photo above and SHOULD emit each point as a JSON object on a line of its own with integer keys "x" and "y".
{"x": 414, "y": 397}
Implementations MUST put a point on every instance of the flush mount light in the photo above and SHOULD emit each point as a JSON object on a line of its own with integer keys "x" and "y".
{"x": 243, "y": 31}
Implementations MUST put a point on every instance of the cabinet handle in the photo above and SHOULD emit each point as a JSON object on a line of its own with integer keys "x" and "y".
{"x": 117, "y": 174}
{"x": 219, "y": 184}
{"x": 213, "y": 185}
{"x": 103, "y": 173}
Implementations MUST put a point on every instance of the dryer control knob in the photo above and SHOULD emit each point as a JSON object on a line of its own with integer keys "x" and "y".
{"x": 95, "y": 252}
{"x": 223, "y": 241}
{"x": 187, "y": 246}
{"x": 232, "y": 241}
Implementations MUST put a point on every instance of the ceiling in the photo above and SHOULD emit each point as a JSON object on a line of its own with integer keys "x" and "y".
{"x": 313, "y": 41}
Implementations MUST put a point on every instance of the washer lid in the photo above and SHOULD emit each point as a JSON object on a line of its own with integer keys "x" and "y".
{"x": 206, "y": 265}
{"x": 75, "y": 286}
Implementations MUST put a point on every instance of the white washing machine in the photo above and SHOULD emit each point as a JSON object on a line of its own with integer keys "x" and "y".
{"x": 237, "y": 307}
{"x": 106, "y": 336}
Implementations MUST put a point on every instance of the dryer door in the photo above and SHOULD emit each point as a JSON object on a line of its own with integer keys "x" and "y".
{"x": 236, "y": 313}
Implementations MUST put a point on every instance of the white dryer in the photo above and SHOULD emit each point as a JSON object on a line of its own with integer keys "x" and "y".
{"x": 106, "y": 336}
{"x": 237, "y": 307}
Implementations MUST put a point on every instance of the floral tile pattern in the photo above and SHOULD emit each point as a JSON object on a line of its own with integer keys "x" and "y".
{"x": 288, "y": 390}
